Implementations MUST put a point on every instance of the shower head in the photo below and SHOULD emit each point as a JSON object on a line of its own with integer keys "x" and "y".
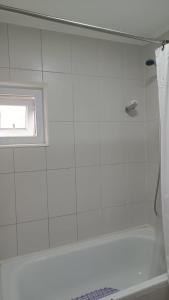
{"x": 131, "y": 108}
{"x": 150, "y": 62}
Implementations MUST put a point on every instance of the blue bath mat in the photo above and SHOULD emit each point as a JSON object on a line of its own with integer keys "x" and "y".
{"x": 97, "y": 294}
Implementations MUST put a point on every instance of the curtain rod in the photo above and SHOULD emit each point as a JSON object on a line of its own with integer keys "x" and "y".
{"x": 79, "y": 24}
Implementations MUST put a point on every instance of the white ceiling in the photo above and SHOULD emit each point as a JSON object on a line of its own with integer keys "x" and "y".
{"x": 149, "y": 18}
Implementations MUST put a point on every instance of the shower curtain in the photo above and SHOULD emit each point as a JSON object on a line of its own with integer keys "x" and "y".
{"x": 162, "y": 61}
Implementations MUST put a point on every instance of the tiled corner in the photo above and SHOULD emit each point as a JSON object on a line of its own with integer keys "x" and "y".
{"x": 31, "y": 196}
{"x": 56, "y": 52}
{"x": 61, "y": 192}
{"x": 32, "y": 236}
{"x": 62, "y": 230}
{"x": 24, "y": 48}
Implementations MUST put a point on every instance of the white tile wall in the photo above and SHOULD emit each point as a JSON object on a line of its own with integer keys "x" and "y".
{"x": 29, "y": 159}
{"x": 8, "y": 241}
{"x": 4, "y": 57}
{"x": 62, "y": 230}
{"x": 56, "y": 52}
{"x": 60, "y": 102}
{"x": 88, "y": 189}
{"x": 87, "y": 144}
{"x": 61, "y": 192}
{"x": 7, "y": 203}
{"x": 24, "y": 48}
{"x": 32, "y": 236}
{"x": 91, "y": 178}
{"x": 31, "y": 196}
{"x": 60, "y": 153}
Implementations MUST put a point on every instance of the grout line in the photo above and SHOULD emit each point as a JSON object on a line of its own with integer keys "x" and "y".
{"x": 9, "y": 52}
{"x": 81, "y": 166}
{"x": 45, "y": 149}
{"x": 17, "y": 241}
{"x": 75, "y": 162}
{"x": 39, "y": 220}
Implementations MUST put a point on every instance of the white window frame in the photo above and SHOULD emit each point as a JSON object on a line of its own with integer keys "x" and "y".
{"x": 38, "y": 93}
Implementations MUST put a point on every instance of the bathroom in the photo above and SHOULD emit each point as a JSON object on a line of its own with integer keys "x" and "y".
{"x": 83, "y": 150}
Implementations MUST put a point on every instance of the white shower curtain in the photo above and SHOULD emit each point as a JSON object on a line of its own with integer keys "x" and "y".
{"x": 162, "y": 61}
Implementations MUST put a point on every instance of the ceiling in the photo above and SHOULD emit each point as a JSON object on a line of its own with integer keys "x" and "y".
{"x": 149, "y": 18}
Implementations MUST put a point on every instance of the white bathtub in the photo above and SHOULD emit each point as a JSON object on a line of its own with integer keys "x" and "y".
{"x": 129, "y": 261}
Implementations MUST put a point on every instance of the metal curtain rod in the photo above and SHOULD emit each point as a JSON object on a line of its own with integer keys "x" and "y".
{"x": 79, "y": 24}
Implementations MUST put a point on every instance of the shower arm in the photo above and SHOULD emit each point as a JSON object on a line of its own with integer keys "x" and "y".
{"x": 81, "y": 25}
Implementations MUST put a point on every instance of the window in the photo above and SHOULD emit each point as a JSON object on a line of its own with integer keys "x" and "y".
{"x": 22, "y": 115}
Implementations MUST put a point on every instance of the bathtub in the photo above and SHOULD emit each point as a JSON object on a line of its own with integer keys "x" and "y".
{"x": 129, "y": 261}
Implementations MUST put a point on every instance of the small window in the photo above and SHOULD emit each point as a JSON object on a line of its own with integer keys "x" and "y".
{"x": 22, "y": 115}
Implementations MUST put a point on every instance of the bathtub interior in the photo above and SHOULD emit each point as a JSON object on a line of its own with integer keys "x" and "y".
{"x": 121, "y": 262}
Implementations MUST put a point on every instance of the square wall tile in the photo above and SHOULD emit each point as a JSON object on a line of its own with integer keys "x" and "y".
{"x": 86, "y": 98}
{"x": 110, "y": 59}
{"x": 87, "y": 144}
{"x": 4, "y": 57}
{"x": 88, "y": 189}
{"x": 152, "y": 99}
{"x": 24, "y": 48}
{"x": 122, "y": 142}
{"x": 4, "y": 74}
{"x": 6, "y": 160}
{"x": 62, "y": 230}
{"x": 59, "y": 96}
{"x": 114, "y": 219}
{"x": 60, "y": 153}
{"x": 31, "y": 196}
{"x": 85, "y": 55}
{"x": 133, "y": 62}
{"x": 7, "y": 199}
{"x": 26, "y": 75}
{"x": 29, "y": 159}
{"x": 90, "y": 224}
{"x": 32, "y": 236}
{"x": 56, "y": 52}
{"x": 153, "y": 141}
{"x": 111, "y": 99}
{"x": 61, "y": 192}
{"x": 123, "y": 183}
{"x": 8, "y": 241}
{"x": 123, "y": 217}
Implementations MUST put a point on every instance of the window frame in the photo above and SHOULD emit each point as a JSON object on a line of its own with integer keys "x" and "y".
{"x": 37, "y": 90}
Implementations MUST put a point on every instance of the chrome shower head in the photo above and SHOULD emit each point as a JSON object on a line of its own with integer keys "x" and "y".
{"x": 131, "y": 106}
